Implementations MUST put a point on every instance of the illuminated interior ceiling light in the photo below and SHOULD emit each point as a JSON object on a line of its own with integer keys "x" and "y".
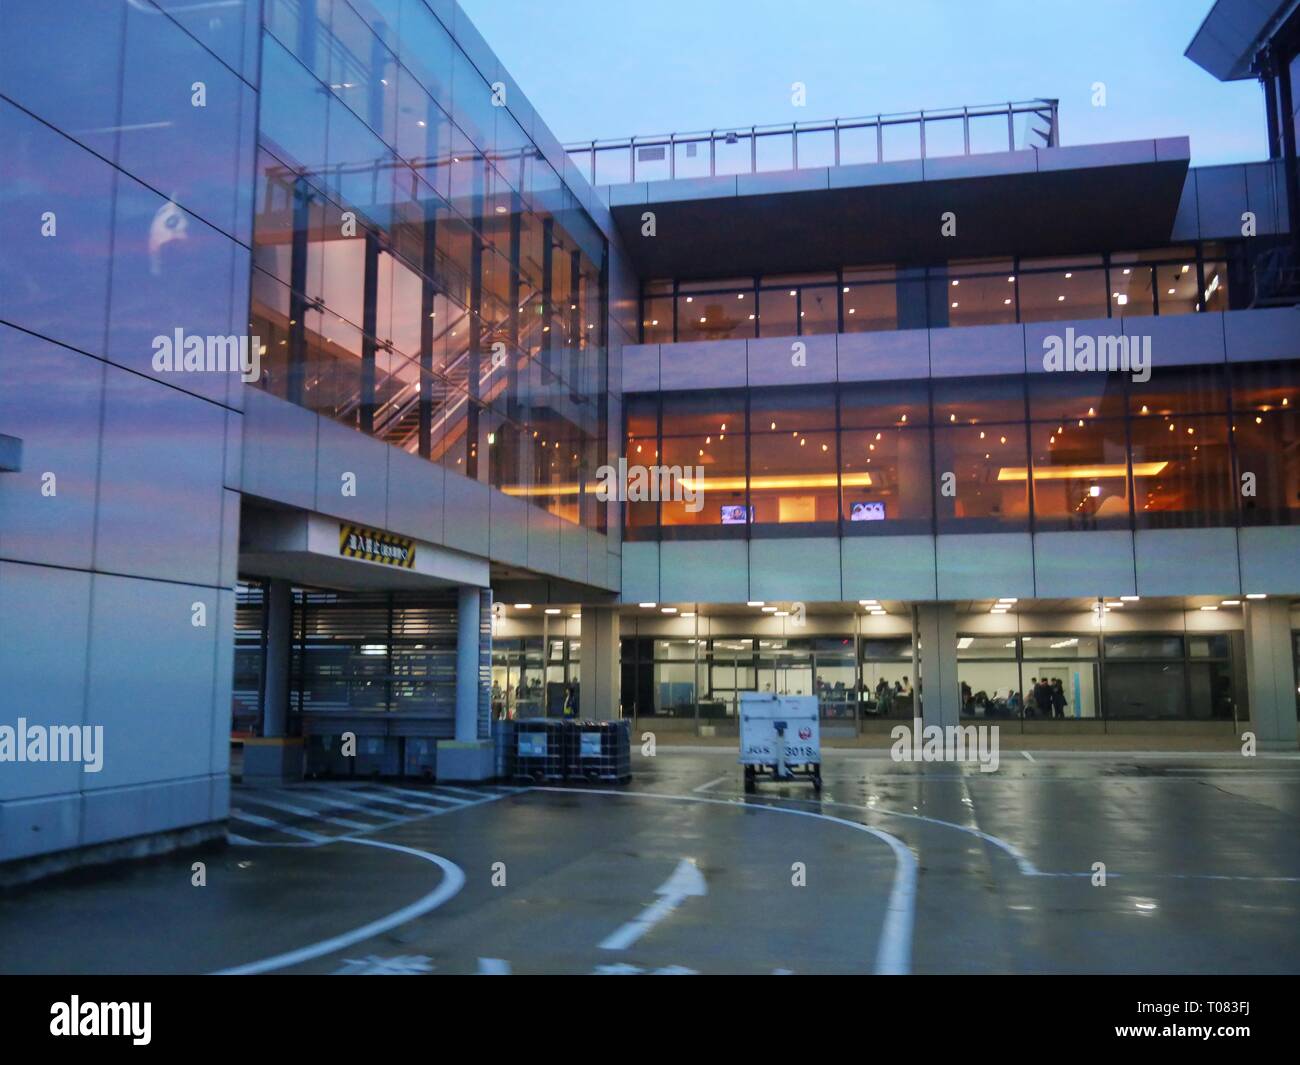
{"x": 1256, "y": 595}
{"x": 1129, "y": 598}
{"x": 878, "y": 613}
{"x": 965, "y": 642}
{"x": 523, "y": 606}
{"x": 1231, "y": 602}
{"x": 1083, "y": 473}
{"x": 668, "y": 610}
{"x": 647, "y": 606}
{"x": 1008, "y": 599}
{"x": 756, "y": 602}
{"x": 1209, "y": 608}
{"x": 782, "y": 614}
{"x": 553, "y": 610}
{"x": 688, "y": 614}
{"x": 769, "y": 610}
{"x": 575, "y": 616}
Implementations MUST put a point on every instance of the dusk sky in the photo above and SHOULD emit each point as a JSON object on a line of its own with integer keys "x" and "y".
{"x": 599, "y": 69}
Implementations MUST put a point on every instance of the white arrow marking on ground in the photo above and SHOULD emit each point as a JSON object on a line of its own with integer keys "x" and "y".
{"x": 686, "y": 881}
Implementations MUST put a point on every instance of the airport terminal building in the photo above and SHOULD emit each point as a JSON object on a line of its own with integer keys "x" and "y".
{"x": 339, "y": 396}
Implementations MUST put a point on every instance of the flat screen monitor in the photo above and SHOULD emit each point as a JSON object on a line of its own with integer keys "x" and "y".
{"x": 867, "y": 510}
{"x": 737, "y": 514}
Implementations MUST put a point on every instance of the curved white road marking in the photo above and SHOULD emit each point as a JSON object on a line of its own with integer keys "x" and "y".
{"x": 453, "y": 879}
{"x": 894, "y": 953}
{"x": 1026, "y": 866}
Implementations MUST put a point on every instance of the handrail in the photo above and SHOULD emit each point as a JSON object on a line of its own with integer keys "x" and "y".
{"x": 643, "y": 150}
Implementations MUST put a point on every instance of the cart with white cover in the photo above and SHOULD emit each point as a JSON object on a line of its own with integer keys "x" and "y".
{"x": 780, "y": 737}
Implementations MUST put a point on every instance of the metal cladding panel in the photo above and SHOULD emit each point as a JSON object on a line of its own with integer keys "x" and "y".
{"x": 42, "y": 277}
{"x": 157, "y": 721}
{"x": 806, "y": 570}
{"x": 792, "y": 361}
{"x": 985, "y": 565}
{"x": 160, "y": 482}
{"x": 1072, "y": 564}
{"x": 978, "y": 349}
{"x": 43, "y": 630}
{"x": 704, "y": 571}
{"x": 351, "y": 474}
{"x": 888, "y": 567}
{"x": 1270, "y": 559}
{"x": 279, "y": 450}
{"x": 1187, "y": 562}
{"x": 640, "y": 580}
{"x": 51, "y": 401}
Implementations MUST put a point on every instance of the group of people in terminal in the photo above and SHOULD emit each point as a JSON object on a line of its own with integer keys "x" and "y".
{"x": 1046, "y": 698}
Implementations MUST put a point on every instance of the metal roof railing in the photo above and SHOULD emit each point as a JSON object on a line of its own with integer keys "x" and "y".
{"x": 831, "y": 142}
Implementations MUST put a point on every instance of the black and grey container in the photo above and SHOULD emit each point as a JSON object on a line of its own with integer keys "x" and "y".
{"x": 539, "y": 750}
{"x": 600, "y": 752}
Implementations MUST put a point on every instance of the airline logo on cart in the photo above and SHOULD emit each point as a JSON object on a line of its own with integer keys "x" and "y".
{"x": 355, "y": 541}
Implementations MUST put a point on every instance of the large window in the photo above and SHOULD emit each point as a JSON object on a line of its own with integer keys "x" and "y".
{"x": 1179, "y": 279}
{"x": 420, "y": 272}
{"x": 1043, "y": 452}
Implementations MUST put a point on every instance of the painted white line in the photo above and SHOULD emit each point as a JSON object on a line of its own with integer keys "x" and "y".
{"x": 326, "y": 799}
{"x": 261, "y": 799}
{"x": 1026, "y": 866}
{"x": 453, "y": 879}
{"x": 405, "y": 804}
{"x": 686, "y": 881}
{"x": 711, "y": 784}
{"x": 266, "y": 822}
{"x": 894, "y": 952}
{"x": 493, "y": 967}
{"x": 427, "y": 796}
{"x": 1028, "y": 757}
{"x": 468, "y": 793}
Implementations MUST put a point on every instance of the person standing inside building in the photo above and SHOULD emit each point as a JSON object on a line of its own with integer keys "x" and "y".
{"x": 1058, "y": 698}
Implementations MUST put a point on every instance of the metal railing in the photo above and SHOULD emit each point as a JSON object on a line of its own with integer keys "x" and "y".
{"x": 832, "y": 142}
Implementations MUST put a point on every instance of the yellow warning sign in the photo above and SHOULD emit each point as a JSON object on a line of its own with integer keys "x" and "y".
{"x": 356, "y": 541}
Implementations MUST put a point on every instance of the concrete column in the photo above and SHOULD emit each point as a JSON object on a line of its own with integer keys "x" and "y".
{"x": 466, "y": 757}
{"x": 940, "y": 691}
{"x": 275, "y": 757}
{"x": 599, "y": 675}
{"x": 467, "y": 678}
{"x": 1270, "y": 674}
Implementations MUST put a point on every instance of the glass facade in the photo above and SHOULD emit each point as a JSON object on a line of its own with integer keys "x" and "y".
{"x": 861, "y": 678}
{"x": 420, "y": 271}
{"x": 1042, "y": 452}
{"x": 1180, "y": 279}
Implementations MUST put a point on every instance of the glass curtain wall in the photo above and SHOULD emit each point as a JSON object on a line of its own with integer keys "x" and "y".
{"x": 1181, "y": 279}
{"x": 421, "y": 273}
{"x": 1042, "y": 452}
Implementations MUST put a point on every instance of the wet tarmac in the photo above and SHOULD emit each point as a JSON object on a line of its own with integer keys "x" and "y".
{"x": 895, "y": 869}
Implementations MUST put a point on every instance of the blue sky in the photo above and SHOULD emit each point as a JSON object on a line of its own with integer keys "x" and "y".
{"x": 612, "y": 68}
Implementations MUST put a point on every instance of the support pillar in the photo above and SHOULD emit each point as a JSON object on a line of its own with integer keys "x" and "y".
{"x": 275, "y": 757}
{"x": 598, "y": 675}
{"x": 1270, "y": 674}
{"x": 467, "y": 757}
{"x": 937, "y": 687}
